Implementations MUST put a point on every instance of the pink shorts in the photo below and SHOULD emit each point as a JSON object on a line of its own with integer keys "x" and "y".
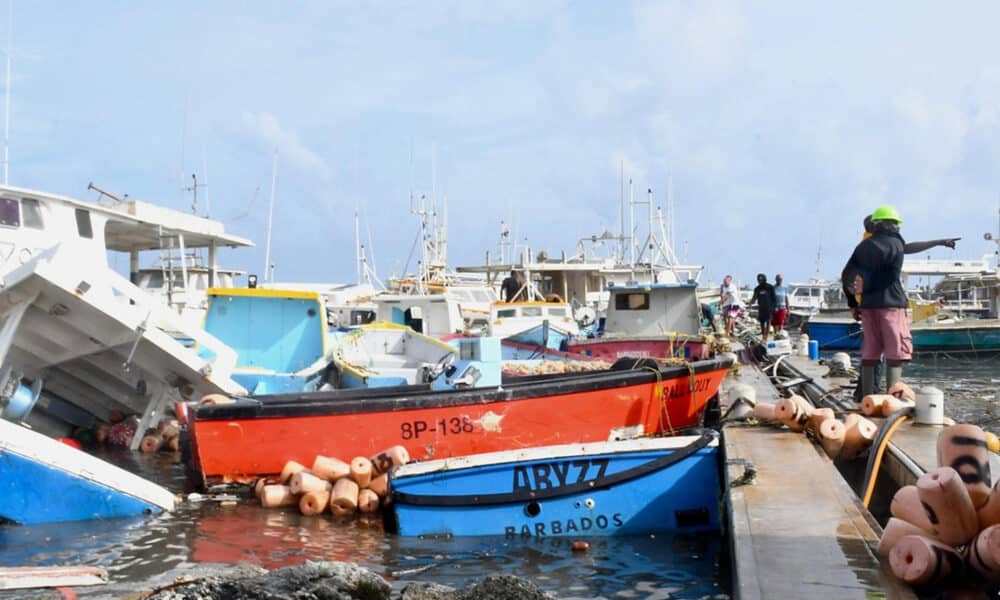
{"x": 886, "y": 333}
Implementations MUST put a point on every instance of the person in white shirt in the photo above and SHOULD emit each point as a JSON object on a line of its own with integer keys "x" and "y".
{"x": 730, "y": 303}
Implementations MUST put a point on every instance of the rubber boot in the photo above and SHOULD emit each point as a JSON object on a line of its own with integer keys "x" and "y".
{"x": 867, "y": 380}
{"x": 893, "y": 373}
{"x": 879, "y": 377}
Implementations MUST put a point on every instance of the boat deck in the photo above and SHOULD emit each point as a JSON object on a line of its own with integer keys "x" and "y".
{"x": 798, "y": 530}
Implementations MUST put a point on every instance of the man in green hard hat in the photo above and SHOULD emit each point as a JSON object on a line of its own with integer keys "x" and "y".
{"x": 873, "y": 271}
{"x": 853, "y": 289}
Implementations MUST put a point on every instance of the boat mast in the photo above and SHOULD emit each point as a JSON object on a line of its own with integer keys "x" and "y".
{"x": 6, "y": 125}
{"x": 204, "y": 173}
{"x": 357, "y": 247}
{"x": 631, "y": 224}
{"x": 621, "y": 214}
{"x": 268, "y": 268}
{"x": 649, "y": 240}
{"x": 671, "y": 217}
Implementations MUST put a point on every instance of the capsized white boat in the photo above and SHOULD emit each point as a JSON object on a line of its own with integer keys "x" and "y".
{"x": 85, "y": 337}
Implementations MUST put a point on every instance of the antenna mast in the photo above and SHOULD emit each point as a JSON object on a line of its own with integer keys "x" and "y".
{"x": 268, "y": 270}
{"x": 6, "y": 126}
{"x": 621, "y": 213}
{"x": 357, "y": 246}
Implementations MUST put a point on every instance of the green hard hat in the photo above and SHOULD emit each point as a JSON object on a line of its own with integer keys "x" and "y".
{"x": 886, "y": 213}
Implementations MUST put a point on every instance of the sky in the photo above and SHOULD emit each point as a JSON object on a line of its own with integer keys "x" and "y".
{"x": 780, "y": 125}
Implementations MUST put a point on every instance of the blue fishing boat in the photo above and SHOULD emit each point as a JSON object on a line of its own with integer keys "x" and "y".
{"x": 835, "y": 333}
{"x": 45, "y": 481}
{"x": 637, "y": 486}
{"x": 950, "y": 335}
{"x": 280, "y": 337}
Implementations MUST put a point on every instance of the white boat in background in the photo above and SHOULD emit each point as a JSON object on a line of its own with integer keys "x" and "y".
{"x": 534, "y": 323}
{"x": 600, "y": 262}
{"x": 88, "y": 339}
{"x": 347, "y": 304}
{"x": 184, "y": 287}
{"x": 435, "y": 314}
{"x": 962, "y": 288}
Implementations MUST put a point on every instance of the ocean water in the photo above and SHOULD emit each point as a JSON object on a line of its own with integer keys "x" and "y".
{"x": 971, "y": 385}
{"x": 145, "y": 553}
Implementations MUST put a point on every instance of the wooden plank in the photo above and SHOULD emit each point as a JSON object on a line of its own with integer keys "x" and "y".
{"x": 797, "y": 531}
{"x": 19, "y": 578}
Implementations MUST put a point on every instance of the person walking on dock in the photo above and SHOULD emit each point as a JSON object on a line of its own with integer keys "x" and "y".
{"x": 780, "y": 305}
{"x": 730, "y": 303}
{"x": 766, "y": 300}
{"x": 873, "y": 271}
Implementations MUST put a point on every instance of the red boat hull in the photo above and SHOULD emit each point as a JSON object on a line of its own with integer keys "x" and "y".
{"x": 254, "y": 437}
{"x": 612, "y": 348}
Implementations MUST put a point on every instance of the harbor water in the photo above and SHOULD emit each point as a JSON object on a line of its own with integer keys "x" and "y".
{"x": 145, "y": 553}
{"x": 142, "y": 554}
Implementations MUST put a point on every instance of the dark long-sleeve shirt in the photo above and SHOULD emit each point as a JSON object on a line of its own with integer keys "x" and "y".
{"x": 877, "y": 261}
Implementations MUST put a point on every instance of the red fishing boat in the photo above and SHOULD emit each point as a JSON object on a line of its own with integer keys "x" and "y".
{"x": 659, "y": 320}
{"x": 255, "y": 436}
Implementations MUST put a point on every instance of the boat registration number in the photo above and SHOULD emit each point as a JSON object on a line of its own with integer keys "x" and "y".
{"x": 411, "y": 430}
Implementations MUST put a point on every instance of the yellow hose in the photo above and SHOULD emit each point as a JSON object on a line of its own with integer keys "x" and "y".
{"x": 878, "y": 460}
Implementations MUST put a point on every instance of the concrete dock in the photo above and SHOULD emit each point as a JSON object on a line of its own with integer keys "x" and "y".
{"x": 797, "y": 528}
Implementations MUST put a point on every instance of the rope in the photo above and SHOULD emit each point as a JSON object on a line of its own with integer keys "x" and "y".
{"x": 662, "y": 410}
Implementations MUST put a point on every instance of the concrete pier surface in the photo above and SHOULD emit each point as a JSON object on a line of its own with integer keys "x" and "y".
{"x": 797, "y": 528}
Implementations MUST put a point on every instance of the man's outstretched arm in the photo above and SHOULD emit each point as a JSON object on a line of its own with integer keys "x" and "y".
{"x": 915, "y": 247}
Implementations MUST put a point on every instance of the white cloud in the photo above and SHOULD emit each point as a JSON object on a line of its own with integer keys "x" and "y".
{"x": 266, "y": 132}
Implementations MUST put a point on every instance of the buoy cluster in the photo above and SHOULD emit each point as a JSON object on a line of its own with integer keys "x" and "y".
{"x": 946, "y": 528}
{"x": 840, "y": 439}
{"x": 332, "y": 485}
{"x": 165, "y": 437}
{"x": 546, "y": 367}
{"x": 900, "y": 396}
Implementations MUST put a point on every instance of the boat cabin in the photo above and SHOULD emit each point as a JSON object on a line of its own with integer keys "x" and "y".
{"x": 653, "y": 309}
{"x": 434, "y": 315}
{"x": 280, "y": 336}
{"x": 544, "y": 324}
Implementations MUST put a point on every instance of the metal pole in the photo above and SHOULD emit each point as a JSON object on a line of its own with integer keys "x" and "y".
{"x": 631, "y": 225}
{"x": 6, "y": 126}
{"x": 357, "y": 245}
{"x": 270, "y": 216}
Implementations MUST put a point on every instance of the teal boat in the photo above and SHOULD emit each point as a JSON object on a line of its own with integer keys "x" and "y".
{"x": 962, "y": 335}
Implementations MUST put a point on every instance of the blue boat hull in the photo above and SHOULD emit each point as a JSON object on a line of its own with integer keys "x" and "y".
{"x": 34, "y": 493}
{"x": 845, "y": 335}
{"x": 45, "y": 481}
{"x": 836, "y": 335}
{"x": 609, "y": 492}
